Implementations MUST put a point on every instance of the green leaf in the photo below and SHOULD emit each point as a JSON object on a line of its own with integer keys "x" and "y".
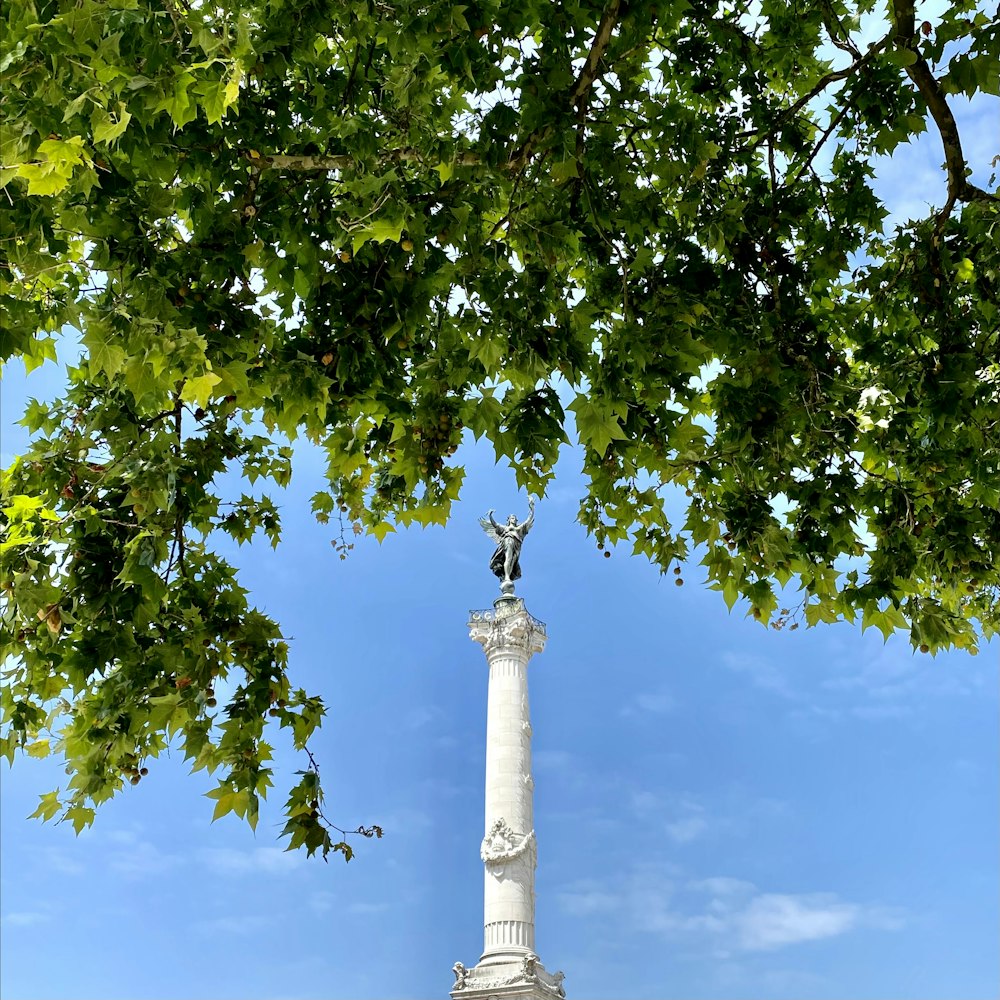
{"x": 380, "y": 529}
{"x": 901, "y": 56}
{"x": 43, "y": 178}
{"x": 108, "y": 127}
{"x": 177, "y": 103}
{"x": 141, "y": 378}
{"x": 378, "y": 232}
{"x": 886, "y": 621}
{"x": 105, "y": 356}
{"x": 80, "y": 817}
{"x": 40, "y": 748}
{"x": 48, "y": 806}
{"x": 564, "y": 170}
{"x": 198, "y": 390}
{"x": 598, "y": 422}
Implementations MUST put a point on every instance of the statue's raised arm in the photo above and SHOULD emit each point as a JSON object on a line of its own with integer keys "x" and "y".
{"x": 506, "y": 562}
{"x": 530, "y": 519}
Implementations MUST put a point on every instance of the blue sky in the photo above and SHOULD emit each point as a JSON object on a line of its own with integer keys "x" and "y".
{"x": 721, "y": 811}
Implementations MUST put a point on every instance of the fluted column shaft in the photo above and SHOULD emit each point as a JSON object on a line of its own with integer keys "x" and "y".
{"x": 510, "y": 638}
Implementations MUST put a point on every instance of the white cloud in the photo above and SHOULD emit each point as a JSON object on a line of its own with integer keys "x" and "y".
{"x": 739, "y": 978}
{"x": 55, "y": 859}
{"x": 772, "y": 921}
{"x": 247, "y": 924}
{"x": 682, "y": 818}
{"x": 722, "y": 885}
{"x": 874, "y": 683}
{"x": 263, "y": 860}
{"x": 721, "y": 915}
{"x": 877, "y": 713}
{"x": 582, "y": 900}
{"x": 24, "y": 918}
{"x": 689, "y": 828}
{"x": 136, "y": 858}
{"x": 321, "y": 902}
{"x": 762, "y": 673}
{"x": 367, "y": 909}
{"x": 660, "y": 702}
{"x": 894, "y": 682}
{"x": 422, "y": 715}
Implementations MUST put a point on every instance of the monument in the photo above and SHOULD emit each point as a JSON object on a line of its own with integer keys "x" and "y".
{"x": 510, "y": 636}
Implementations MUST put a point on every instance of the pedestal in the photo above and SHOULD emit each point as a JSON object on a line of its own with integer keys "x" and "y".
{"x": 508, "y": 966}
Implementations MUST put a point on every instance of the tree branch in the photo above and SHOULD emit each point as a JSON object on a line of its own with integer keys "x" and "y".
{"x": 834, "y": 77}
{"x": 834, "y": 122}
{"x": 588, "y": 75}
{"x": 830, "y": 20}
{"x": 602, "y": 38}
{"x": 311, "y": 164}
{"x": 959, "y": 188}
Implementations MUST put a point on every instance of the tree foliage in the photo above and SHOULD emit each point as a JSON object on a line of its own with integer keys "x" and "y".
{"x": 378, "y": 224}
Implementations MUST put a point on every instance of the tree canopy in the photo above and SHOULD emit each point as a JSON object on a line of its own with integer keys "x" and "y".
{"x": 382, "y": 224}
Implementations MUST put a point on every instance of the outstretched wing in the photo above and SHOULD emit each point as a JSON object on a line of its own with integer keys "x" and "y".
{"x": 484, "y": 523}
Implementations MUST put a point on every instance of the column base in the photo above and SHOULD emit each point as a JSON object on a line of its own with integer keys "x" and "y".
{"x": 498, "y": 977}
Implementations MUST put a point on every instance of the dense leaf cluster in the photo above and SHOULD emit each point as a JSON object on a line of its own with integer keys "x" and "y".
{"x": 379, "y": 224}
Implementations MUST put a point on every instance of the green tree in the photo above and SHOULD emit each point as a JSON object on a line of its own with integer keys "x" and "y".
{"x": 378, "y": 224}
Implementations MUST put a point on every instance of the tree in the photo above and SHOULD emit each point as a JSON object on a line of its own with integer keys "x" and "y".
{"x": 377, "y": 224}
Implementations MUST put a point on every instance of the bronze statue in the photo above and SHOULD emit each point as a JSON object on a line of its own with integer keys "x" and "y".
{"x": 506, "y": 560}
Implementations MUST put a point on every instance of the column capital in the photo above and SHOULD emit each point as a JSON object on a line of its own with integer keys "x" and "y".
{"x": 507, "y": 626}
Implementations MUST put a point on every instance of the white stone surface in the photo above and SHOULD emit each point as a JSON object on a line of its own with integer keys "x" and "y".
{"x": 508, "y": 966}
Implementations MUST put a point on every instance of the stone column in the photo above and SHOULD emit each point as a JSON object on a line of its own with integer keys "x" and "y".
{"x": 508, "y": 966}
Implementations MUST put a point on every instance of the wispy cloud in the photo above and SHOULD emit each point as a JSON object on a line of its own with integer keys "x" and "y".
{"x": 321, "y": 902}
{"x": 773, "y": 920}
{"x": 721, "y": 914}
{"x": 761, "y": 672}
{"x": 367, "y": 909}
{"x": 687, "y": 828}
{"x": 681, "y": 816}
{"x": 137, "y": 858}
{"x": 893, "y": 683}
{"x": 422, "y": 715}
{"x": 62, "y": 862}
{"x": 882, "y": 683}
{"x": 584, "y": 898}
{"x": 722, "y": 886}
{"x": 743, "y": 976}
{"x": 259, "y": 860}
{"x": 24, "y": 918}
{"x": 247, "y": 924}
{"x": 649, "y": 703}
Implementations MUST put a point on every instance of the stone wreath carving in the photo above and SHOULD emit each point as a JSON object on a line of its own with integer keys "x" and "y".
{"x": 503, "y": 844}
{"x": 528, "y": 973}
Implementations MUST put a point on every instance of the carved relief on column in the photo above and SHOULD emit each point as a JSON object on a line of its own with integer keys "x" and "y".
{"x": 502, "y": 844}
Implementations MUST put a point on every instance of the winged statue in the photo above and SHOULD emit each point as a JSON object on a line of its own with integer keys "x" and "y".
{"x": 505, "y": 562}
